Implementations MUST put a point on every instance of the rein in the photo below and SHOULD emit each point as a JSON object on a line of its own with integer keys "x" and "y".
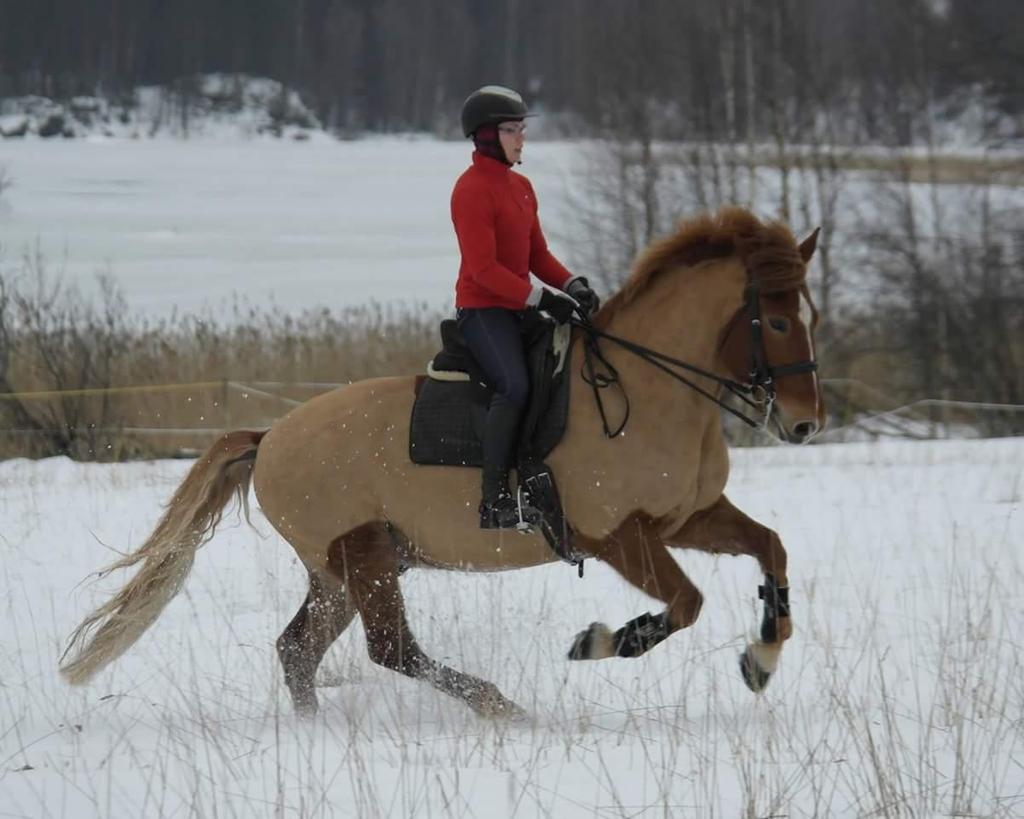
{"x": 758, "y": 393}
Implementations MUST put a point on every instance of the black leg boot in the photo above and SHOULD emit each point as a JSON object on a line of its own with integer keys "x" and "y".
{"x": 499, "y": 508}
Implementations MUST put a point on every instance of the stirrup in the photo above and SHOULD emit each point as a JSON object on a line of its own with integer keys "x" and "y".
{"x": 537, "y": 486}
{"x": 509, "y": 512}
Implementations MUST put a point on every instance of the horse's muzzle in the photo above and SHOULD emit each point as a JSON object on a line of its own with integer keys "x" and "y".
{"x": 802, "y": 431}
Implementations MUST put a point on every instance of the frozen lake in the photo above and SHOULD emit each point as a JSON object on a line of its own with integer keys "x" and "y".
{"x": 183, "y": 224}
{"x": 188, "y": 224}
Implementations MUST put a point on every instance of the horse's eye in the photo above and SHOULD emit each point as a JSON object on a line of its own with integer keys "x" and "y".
{"x": 779, "y": 324}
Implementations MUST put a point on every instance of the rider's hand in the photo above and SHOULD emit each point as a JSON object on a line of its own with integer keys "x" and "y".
{"x": 579, "y": 289}
{"x": 557, "y": 306}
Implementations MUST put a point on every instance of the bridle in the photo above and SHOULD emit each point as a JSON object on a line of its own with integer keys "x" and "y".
{"x": 758, "y": 392}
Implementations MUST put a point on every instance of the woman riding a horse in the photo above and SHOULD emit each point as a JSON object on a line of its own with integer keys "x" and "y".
{"x": 725, "y": 296}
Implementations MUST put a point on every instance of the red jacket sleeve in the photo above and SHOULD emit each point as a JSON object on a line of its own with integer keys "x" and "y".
{"x": 543, "y": 263}
{"x": 473, "y": 215}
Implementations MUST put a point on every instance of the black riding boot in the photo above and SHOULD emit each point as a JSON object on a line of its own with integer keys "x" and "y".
{"x": 499, "y": 508}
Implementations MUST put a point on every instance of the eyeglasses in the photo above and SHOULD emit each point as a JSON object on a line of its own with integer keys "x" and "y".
{"x": 514, "y": 128}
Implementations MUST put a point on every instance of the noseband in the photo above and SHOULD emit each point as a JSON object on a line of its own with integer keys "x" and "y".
{"x": 758, "y": 392}
{"x": 762, "y": 376}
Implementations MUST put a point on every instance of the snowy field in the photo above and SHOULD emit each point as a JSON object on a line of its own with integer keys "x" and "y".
{"x": 900, "y": 694}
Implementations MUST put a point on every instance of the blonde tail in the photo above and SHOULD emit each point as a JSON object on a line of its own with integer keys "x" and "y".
{"x": 167, "y": 556}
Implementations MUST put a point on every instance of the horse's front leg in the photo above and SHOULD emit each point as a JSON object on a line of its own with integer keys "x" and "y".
{"x": 724, "y": 529}
{"x": 636, "y": 552}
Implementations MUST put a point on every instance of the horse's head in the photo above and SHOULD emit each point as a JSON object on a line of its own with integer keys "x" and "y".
{"x": 769, "y": 345}
{"x": 756, "y": 299}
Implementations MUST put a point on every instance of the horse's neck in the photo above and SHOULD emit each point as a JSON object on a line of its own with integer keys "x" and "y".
{"x": 682, "y": 313}
{"x": 672, "y": 430}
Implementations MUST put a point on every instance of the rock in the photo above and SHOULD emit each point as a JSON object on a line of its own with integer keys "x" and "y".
{"x": 15, "y": 125}
{"x": 51, "y": 125}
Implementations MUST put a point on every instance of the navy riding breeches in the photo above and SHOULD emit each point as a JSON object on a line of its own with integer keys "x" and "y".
{"x": 493, "y": 336}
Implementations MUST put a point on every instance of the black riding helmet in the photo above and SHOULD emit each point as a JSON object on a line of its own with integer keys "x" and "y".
{"x": 492, "y": 103}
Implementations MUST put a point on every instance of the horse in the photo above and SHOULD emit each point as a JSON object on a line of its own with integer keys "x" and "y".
{"x": 725, "y": 294}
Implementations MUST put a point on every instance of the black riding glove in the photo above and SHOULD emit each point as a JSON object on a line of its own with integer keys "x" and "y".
{"x": 580, "y": 290}
{"x": 558, "y": 307}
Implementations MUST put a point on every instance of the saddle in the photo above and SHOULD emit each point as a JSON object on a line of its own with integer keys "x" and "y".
{"x": 450, "y": 413}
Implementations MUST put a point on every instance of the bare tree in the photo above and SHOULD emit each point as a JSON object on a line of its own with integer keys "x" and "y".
{"x": 950, "y": 304}
{"x": 58, "y": 358}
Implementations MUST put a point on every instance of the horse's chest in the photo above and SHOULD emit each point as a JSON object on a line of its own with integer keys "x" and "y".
{"x": 600, "y": 496}
{"x": 669, "y": 481}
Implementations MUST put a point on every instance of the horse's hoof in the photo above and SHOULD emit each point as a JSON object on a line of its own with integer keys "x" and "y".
{"x": 304, "y": 701}
{"x": 754, "y": 675}
{"x": 501, "y": 708}
{"x": 508, "y": 711}
{"x": 594, "y": 643}
{"x": 306, "y": 710}
{"x": 487, "y": 701}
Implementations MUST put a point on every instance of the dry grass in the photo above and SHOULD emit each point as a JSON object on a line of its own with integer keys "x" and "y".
{"x": 941, "y": 169}
{"x": 190, "y": 369}
{"x": 944, "y": 170}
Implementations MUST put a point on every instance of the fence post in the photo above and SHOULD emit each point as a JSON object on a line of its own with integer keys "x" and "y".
{"x": 225, "y": 392}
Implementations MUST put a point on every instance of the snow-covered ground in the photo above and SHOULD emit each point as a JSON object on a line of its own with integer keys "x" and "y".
{"x": 900, "y": 693}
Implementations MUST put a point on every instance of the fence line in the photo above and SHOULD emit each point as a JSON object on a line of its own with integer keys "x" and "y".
{"x": 935, "y": 402}
{"x": 246, "y": 387}
{"x": 7, "y": 396}
{"x": 894, "y": 417}
{"x": 119, "y": 430}
{"x": 253, "y": 391}
{"x": 260, "y": 389}
{"x": 305, "y": 385}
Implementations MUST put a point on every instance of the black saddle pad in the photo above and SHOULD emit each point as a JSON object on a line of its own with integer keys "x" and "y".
{"x": 448, "y": 417}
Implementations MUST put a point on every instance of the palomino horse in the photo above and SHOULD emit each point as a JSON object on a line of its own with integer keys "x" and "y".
{"x": 335, "y": 479}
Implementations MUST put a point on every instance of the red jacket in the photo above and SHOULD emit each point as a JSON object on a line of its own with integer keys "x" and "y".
{"x": 494, "y": 210}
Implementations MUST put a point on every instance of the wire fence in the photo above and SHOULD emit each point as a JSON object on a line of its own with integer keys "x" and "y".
{"x": 854, "y": 417}
{"x": 858, "y": 411}
{"x": 152, "y": 420}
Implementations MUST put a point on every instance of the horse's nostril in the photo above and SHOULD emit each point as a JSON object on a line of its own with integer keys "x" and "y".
{"x": 805, "y": 429}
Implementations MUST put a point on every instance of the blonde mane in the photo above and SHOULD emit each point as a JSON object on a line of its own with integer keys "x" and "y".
{"x": 769, "y": 253}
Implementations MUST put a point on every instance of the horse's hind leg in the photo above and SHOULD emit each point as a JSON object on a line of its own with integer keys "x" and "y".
{"x": 323, "y": 616}
{"x": 365, "y": 558}
{"x": 724, "y": 529}
{"x": 637, "y": 552}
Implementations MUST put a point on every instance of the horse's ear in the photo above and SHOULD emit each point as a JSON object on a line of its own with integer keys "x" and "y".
{"x": 807, "y": 245}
